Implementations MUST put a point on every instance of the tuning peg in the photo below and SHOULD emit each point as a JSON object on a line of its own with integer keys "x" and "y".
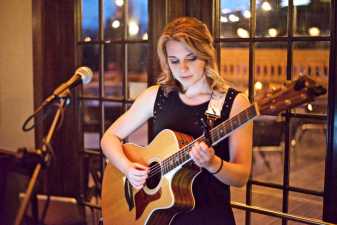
{"x": 317, "y": 91}
{"x": 299, "y": 84}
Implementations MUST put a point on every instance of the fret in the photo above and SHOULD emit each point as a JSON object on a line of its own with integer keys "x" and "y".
{"x": 245, "y": 115}
{"x": 231, "y": 127}
{"x": 221, "y": 131}
{"x": 164, "y": 167}
{"x": 186, "y": 156}
{"x": 238, "y": 118}
{"x": 217, "y": 136}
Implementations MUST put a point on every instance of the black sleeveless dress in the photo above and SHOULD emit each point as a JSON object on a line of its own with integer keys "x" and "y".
{"x": 212, "y": 196}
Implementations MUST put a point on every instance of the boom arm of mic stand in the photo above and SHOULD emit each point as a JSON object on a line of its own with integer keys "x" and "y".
{"x": 38, "y": 168}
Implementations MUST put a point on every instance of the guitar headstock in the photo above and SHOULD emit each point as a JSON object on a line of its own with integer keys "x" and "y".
{"x": 293, "y": 94}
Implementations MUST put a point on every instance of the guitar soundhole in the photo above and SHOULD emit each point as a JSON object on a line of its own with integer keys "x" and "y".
{"x": 154, "y": 175}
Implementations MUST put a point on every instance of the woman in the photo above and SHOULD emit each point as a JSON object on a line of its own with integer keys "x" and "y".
{"x": 178, "y": 102}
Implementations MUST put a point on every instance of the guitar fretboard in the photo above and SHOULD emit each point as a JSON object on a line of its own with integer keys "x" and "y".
{"x": 217, "y": 134}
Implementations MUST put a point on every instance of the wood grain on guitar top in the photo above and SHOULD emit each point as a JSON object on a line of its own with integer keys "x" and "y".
{"x": 154, "y": 204}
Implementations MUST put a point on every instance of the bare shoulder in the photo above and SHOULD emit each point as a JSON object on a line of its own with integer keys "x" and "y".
{"x": 148, "y": 95}
{"x": 240, "y": 103}
{"x": 151, "y": 91}
{"x": 140, "y": 111}
{"x": 144, "y": 103}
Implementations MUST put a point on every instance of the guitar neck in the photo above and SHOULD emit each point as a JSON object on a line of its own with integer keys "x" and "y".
{"x": 225, "y": 128}
{"x": 217, "y": 134}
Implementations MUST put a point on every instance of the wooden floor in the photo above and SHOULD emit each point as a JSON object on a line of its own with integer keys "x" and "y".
{"x": 306, "y": 171}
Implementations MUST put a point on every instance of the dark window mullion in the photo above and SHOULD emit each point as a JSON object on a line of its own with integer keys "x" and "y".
{"x": 217, "y": 31}
{"x": 276, "y": 39}
{"x": 251, "y": 63}
{"x": 101, "y": 81}
{"x": 330, "y": 181}
{"x": 286, "y": 161}
{"x": 125, "y": 53}
{"x": 124, "y": 56}
{"x": 290, "y": 188}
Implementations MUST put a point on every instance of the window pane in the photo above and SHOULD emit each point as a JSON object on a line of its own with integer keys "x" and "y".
{"x": 137, "y": 69}
{"x": 239, "y": 215}
{"x": 91, "y": 124}
{"x": 89, "y": 20}
{"x": 234, "y": 20}
{"x": 138, "y": 19}
{"x": 112, "y": 111}
{"x": 269, "y": 198}
{"x": 312, "y": 18}
{"x": 268, "y": 148}
{"x": 308, "y": 142}
{"x": 113, "y": 75}
{"x": 270, "y": 65}
{"x": 305, "y": 206}
{"x": 90, "y": 58}
{"x": 91, "y": 120}
{"x": 312, "y": 59}
{"x": 234, "y": 64}
{"x": 113, "y": 20}
{"x": 265, "y": 219}
{"x": 271, "y": 19}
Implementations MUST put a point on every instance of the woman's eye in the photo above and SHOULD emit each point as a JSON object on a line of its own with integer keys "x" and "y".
{"x": 192, "y": 58}
{"x": 174, "y": 61}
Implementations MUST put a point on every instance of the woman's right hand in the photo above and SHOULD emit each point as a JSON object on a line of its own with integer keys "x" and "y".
{"x": 137, "y": 174}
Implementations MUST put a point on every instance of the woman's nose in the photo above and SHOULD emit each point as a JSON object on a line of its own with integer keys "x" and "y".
{"x": 183, "y": 66}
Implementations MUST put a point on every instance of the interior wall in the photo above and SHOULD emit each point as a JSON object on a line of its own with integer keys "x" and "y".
{"x": 16, "y": 73}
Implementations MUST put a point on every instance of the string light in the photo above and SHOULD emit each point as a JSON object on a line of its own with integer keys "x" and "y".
{"x": 266, "y": 6}
{"x": 119, "y": 3}
{"x": 115, "y": 24}
{"x": 133, "y": 28}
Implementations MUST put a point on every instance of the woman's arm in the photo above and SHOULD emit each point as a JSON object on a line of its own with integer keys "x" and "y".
{"x": 236, "y": 171}
{"x": 111, "y": 144}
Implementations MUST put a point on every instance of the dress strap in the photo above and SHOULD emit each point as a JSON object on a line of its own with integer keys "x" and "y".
{"x": 214, "y": 109}
{"x": 159, "y": 102}
{"x": 231, "y": 94}
{"x": 220, "y": 105}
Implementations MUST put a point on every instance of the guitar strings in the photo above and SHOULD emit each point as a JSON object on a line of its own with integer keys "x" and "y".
{"x": 154, "y": 170}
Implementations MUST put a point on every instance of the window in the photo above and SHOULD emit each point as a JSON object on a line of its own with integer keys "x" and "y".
{"x": 114, "y": 44}
{"x": 266, "y": 47}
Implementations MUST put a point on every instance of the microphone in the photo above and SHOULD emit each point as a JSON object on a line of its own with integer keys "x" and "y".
{"x": 82, "y": 75}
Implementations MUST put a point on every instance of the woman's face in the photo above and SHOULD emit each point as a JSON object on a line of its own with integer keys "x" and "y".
{"x": 185, "y": 66}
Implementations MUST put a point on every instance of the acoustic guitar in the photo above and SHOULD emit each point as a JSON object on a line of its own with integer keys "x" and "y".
{"x": 168, "y": 189}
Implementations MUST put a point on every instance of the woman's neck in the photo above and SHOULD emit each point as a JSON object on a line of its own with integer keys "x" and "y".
{"x": 201, "y": 87}
{"x": 198, "y": 93}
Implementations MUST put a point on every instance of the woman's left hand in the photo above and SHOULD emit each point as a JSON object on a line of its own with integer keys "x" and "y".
{"x": 202, "y": 154}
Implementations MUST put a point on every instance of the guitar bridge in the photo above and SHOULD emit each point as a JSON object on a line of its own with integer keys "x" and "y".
{"x": 128, "y": 192}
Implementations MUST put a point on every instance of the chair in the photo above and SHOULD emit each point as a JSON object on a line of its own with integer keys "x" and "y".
{"x": 267, "y": 133}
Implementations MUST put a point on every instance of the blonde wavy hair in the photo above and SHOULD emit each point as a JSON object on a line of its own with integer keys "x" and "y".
{"x": 197, "y": 37}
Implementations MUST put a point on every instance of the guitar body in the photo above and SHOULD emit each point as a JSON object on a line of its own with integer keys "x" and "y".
{"x": 163, "y": 196}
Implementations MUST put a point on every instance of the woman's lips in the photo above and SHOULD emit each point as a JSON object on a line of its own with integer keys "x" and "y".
{"x": 187, "y": 76}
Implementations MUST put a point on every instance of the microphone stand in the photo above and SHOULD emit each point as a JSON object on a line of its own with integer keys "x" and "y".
{"x": 45, "y": 158}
